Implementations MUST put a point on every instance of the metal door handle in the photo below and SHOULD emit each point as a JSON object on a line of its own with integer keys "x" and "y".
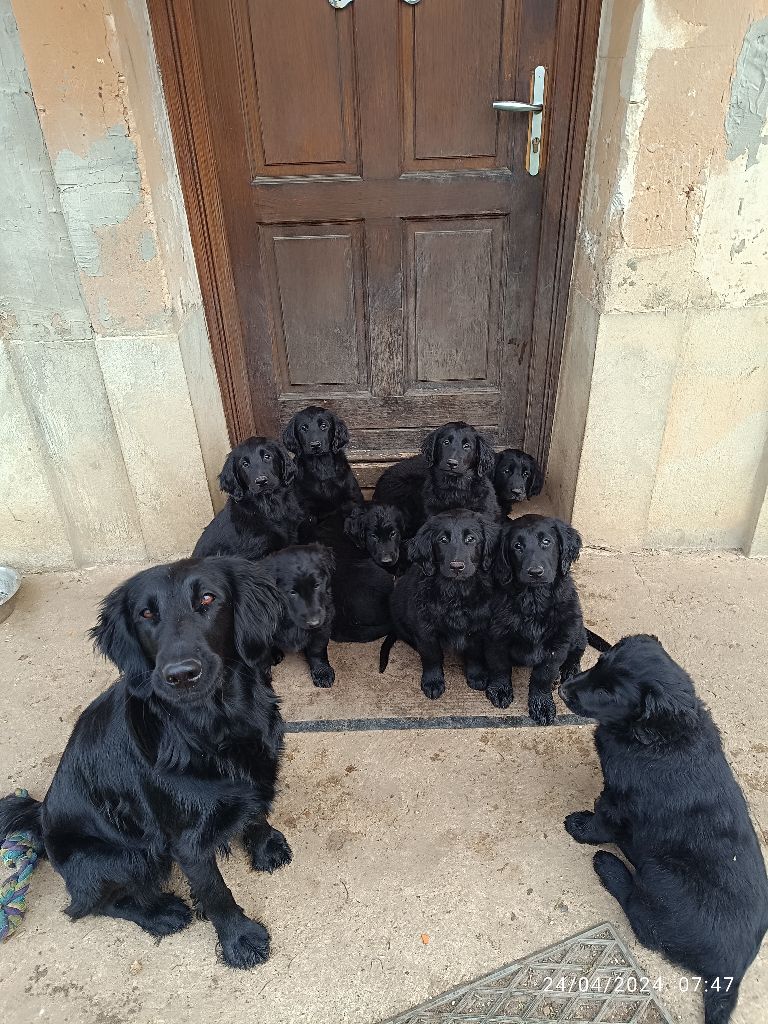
{"x": 536, "y": 110}
{"x": 513, "y": 105}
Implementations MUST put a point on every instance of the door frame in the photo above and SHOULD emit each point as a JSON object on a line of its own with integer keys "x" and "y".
{"x": 570, "y": 105}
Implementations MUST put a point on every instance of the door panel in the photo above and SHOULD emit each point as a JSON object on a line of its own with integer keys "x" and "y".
{"x": 375, "y": 235}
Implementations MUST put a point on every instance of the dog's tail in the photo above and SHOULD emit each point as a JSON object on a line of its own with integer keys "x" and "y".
{"x": 20, "y": 813}
{"x": 719, "y": 1004}
{"x": 389, "y": 642}
{"x": 596, "y": 641}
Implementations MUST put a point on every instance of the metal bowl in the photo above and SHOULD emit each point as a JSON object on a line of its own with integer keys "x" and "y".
{"x": 10, "y": 581}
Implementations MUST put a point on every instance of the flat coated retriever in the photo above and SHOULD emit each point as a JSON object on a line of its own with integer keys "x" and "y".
{"x": 366, "y": 547}
{"x": 263, "y": 512}
{"x": 443, "y": 600}
{"x": 453, "y": 471}
{"x": 535, "y": 616}
{"x": 303, "y": 577}
{"x": 176, "y": 760}
{"x": 325, "y": 480}
{"x": 517, "y": 477}
{"x": 698, "y": 893}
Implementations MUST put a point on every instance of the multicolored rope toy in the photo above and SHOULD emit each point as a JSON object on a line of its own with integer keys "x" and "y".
{"x": 19, "y": 852}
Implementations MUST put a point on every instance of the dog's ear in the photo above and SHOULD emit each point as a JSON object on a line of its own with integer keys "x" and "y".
{"x": 289, "y": 438}
{"x": 570, "y": 545}
{"x": 503, "y": 560}
{"x": 114, "y": 635}
{"x": 486, "y": 456}
{"x": 229, "y": 481}
{"x": 420, "y": 551}
{"x": 258, "y": 608}
{"x": 536, "y": 478}
{"x": 428, "y": 446}
{"x": 491, "y": 533}
{"x": 340, "y": 433}
{"x": 354, "y": 526}
{"x": 326, "y": 560}
{"x": 667, "y": 713}
{"x": 287, "y": 468}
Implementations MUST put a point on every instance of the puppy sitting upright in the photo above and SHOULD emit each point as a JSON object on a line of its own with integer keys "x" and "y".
{"x": 325, "y": 480}
{"x": 303, "y": 577}
{"x": 698, "y": 893}
{"x": 443, "y": 600}
{"x": 176, "y": 760}
{"x": 263, "y": 512}
{"x": 535, "y": 616}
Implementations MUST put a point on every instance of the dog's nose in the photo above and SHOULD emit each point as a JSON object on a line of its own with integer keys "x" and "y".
{"x": 457, "y": 565}
{"x": 259, "y": 479}
{"x": 313, "y": 623}
{"x": 518, "y": 494}
{"x": 386, "y": 559}
{"x": 453, "y": 463}
{"x": 315, "y": 446}
{"x": 536, "y": 571}
{"x": 183, "y": 673}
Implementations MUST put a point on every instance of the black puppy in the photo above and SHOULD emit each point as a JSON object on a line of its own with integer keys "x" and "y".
{"x": 303, "y": 577}
{"x": 175, "y": 760}
{"x": 366, "y": 548}
{"x": 699, "y": 893}
{"x": 263, "y": 512}
{"x": 325, "y": 480}
{"x": 516, "y": 477}
{"x": 443, "y": 600}
{"x": 535, "y": 616}
{"x": 453, "y": 471}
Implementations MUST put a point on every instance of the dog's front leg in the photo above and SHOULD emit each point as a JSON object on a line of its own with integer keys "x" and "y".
{"x": 499, "y": 688}
{"x": 244, "y": 943}
{"x": 316, "y": 653}
{"x": 475, "y": 670}
{"x": 541, "y": 706}
{"x": 267, "y": 848}
{"x": 594, "y": 828}
{"x": 432, "y": 676}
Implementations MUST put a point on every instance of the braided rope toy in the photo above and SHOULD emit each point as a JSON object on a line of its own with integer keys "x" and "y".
{"x": 19, "y": 852}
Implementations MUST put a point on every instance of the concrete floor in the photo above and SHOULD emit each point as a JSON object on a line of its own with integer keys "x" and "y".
{"x": 455, "y": 835}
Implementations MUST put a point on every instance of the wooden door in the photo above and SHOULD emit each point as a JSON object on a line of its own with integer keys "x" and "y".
{"x": 375, "y": 240}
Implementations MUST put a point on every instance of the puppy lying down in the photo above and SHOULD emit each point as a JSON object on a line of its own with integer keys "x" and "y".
{"x": 698, "y": 893}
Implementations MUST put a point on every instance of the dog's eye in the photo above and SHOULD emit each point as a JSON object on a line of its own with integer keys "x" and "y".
{"x": 446, "y": 440}
{"x": 267, "y": 456}
{"x": 206, "y": 600}
{"x": 293, "y": 593}
{"x": 304, "y": 427}
{"x": 245, "y": 461}
{"x": 508, "y": 470}
{"x": 393, "y": 535}
{"x": 470, "y": 538}
{"x": 466, "y": 445}
{"x": 147, "y": 614}
{"x": 444, "y": 539}
{"x": 526, "y": 473}
{"x": 518, "y": 546}
{"x": 545, "y": 542}
{"x": 323, "y": 426}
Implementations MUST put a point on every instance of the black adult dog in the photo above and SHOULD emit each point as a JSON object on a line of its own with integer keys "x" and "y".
{"x": 366, "y": 546}
{"x": 535, "y": 617}
{"x": 176, "y": 760}
{"x": 303, "y": 577}
{"x": 443, "y": 601}
{"x": 699, "y": 893}
{"x": 453, "y": 471}
{"x": 517, "y": 477}
{"x": 263, "y": 512}
{"x": 325, "y": 480}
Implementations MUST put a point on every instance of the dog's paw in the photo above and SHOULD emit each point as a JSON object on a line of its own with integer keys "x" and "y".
{"x": 568, "y": 671}
{"x": 170, "y": 914}
{"x": 273, "y": 854}
{"x": 322, "y": 675}
{"x": 579, "y": 826}
{"x": 476, "y": 679}
{"x": 499, "y": 694}
{"x": 541, "y": 708}
{"x": 245, "y": 944}
{"x": 276, "y": 656}
{"x": 433, "y": 686}
{"x": 613, "y": 874}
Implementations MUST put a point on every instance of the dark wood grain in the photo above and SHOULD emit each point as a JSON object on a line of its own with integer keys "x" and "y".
{"x": 361, "y": 130}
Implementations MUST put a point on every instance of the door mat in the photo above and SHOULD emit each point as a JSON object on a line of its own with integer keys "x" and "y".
{"x": 590, "y": 978}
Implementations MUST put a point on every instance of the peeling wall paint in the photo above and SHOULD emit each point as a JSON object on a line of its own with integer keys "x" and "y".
{"x": 97, "y": 190}
{"x": 747, "y": 110}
